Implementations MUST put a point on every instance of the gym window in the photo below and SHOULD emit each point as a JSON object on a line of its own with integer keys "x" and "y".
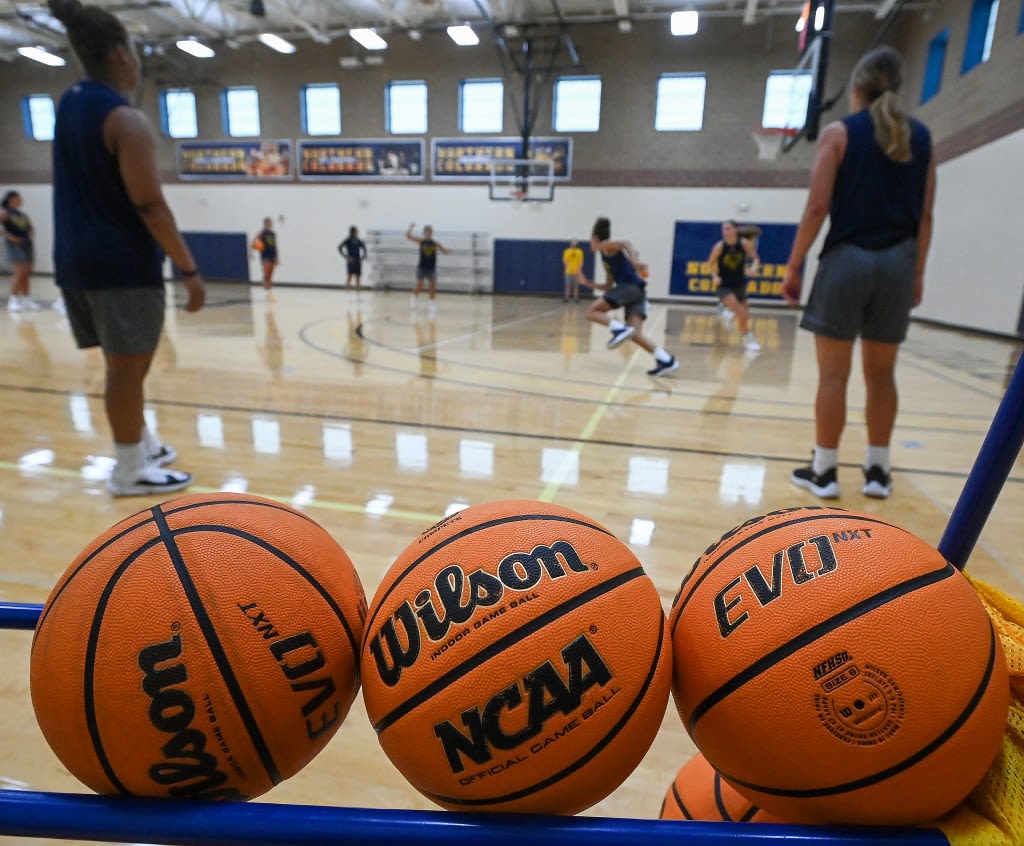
{"x": 178, "y": 113}
{"x": 934, "y": 65}
{"x": 577, "y": 106}
{"x": 482, "y": 105}
{"x": 679, "y": 106}
{"x": 39, "y": 116}
{"x": 321, "y": 109}
{"x": 980, "y": 31}
{"x": 785, "y": 99}
{"x": 242, "y": 112}
{"x": 406, "y": 107}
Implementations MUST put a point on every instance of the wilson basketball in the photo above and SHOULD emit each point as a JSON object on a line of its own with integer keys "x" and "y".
{"x": 836, "y": 669}
{"x": 699, "y": 793}
{"x": 203, "y": 648}
{"x": 516, "y": 659}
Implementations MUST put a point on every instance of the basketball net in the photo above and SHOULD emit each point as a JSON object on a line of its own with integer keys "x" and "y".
{"x": 769, "y": 141}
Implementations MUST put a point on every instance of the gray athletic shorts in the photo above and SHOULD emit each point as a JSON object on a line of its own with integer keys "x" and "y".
{"x": 632, "y": 298}
{"x": 19, "y": 253}
{"x": 866, "y": 293}
{"x": 740, "y": 292}
{"x": 122, "y": 321}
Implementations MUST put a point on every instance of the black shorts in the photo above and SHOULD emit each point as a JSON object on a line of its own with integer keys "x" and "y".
{"x": 738, "y": 291}
{"x": 865, "y": 293}
{"x": 355, "y": 267}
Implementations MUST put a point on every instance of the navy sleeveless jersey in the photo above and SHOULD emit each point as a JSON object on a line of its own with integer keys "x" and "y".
{"x": 731, "y": 265}
{"x": 621, "y": 269}
{"x": 18, "y": 225}
{"x": 99, "y": 239}
{"x": 428, "y": 256}
{"x": 877, "y": 202}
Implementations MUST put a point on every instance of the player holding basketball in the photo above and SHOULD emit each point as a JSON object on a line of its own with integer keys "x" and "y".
{"x": 426, "y": 267}
{"x": 353, "y": 250}
{"x": 629, "y": 293}
{"x": 874, "y": 175}
{"x": 728, "y": 262}
{"x": 112, "y": 226}
{"x": 265, "y": 243}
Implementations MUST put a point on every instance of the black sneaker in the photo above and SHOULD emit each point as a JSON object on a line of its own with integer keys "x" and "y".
{"x": 877, "y": 483}
{"x": 663, "y": 368}
{"x": 619, "y": 336}
{"x": 823, "y": 485}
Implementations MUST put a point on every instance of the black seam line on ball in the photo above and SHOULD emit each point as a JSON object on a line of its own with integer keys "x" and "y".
{"x": 807, "y": 637}
{"x": 217, "y": 649}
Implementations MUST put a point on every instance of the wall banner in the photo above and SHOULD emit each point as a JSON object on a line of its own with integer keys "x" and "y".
{"x": 255, "y": 160}
{"x": 468, "y": 159}
{"x": 345, "y": 159}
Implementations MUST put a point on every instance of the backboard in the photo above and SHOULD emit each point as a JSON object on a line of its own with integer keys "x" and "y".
{"x": 525, "y": 180}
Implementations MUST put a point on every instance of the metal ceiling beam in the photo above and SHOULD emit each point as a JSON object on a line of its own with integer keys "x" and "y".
{"x": 884, "y": 8}
{"x": 750, "y": 13}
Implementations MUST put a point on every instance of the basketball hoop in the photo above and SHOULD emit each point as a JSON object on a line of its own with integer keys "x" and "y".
{"x": 769, "y": 140}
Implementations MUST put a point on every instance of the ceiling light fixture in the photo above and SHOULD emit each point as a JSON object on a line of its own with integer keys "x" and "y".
{"x": 800, "y": 24}
{"x": 369, "y": 39}
{"x": 819, "y": 17}
{"x": 463, "y": 35}
{"x": 415, "y": 34}
{"x": 350, "y": 62}
{"x": 39, "y": 54}
{"x": 625, "y": 25}
{"x": 684, "y": 23}
{"x": 276, "y": 42}
{"x": 195, "y": 48}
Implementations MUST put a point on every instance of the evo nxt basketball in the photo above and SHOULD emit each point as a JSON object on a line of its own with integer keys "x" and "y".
{"x": 516, "y": 660}
{"x": 835, "y": 668}
{"x": 205, "y": 648}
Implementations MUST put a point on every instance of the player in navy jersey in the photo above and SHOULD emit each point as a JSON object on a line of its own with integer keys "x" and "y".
{"x": 265, "y": 243}
{"x": 627, "y": 291}
{"x": 112, "y": 228}
{"x": 426, "y": 266}
{"x": 728, "y": 262}
{"x": 874, "y": 176}
{"x": 353, "y": 250}
{"x": 17, "y": 233}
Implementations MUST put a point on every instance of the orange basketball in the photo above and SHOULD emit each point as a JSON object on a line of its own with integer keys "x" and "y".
{"x": 699, "y": 793}
{"x": 836, "y": 669}
{"x": 516, "y": 660}
{"x": 258, "y": 245}
{"x": 203, "y": 648}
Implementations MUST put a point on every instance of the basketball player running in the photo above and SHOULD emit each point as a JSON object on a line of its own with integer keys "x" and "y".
{"x": 353, "y": 250}
{"x": 265, "y": 243}
{"x": 628, "y": 293}
{"x": 728, "y": 262}
{"x": 874, "y": 176}
{"x": 426, "y": 268}
{"x": 111, "y": 223}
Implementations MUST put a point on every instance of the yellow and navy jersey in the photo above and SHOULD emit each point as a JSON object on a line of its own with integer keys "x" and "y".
{"x": 428, "y": 254}
{"x": 17, "y": 224}
{"x": 269, "y": 239}
{"x": 731, "y": 263}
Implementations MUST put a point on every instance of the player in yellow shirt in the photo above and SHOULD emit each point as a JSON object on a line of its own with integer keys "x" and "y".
{"x": 572, "y": 261}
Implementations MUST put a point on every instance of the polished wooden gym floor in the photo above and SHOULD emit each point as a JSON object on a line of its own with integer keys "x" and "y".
{"x": 377, "y": 420}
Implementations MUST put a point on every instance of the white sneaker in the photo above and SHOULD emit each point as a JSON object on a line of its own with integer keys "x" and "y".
{"x": 14, "y": 304}
{"x": 30, "y": 304}
{"x": 750, "y": 342}
{"x": 152, "y": 480}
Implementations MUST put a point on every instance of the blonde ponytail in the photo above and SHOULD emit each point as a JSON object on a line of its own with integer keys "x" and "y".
{"x": 877, "y": 77}
{"x": 892, "y": 128}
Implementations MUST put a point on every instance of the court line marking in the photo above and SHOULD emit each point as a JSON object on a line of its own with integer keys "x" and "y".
{"x": 583, "y": 438}
{"x": 505, "y": 433}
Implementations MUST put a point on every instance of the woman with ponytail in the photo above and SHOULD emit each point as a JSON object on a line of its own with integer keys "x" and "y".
{"x": 874, "y": 176}
{"x": 112, "y": 227}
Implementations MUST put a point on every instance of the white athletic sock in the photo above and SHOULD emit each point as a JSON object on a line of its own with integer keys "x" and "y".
{"x": 615, "y": 325}
{"x": 877, "y": 455}
{"x": 152, "y": 444}
{"x": 662, "y": 355}
{"x": 825, "y": 459}
{"x": 130, "y": 460}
